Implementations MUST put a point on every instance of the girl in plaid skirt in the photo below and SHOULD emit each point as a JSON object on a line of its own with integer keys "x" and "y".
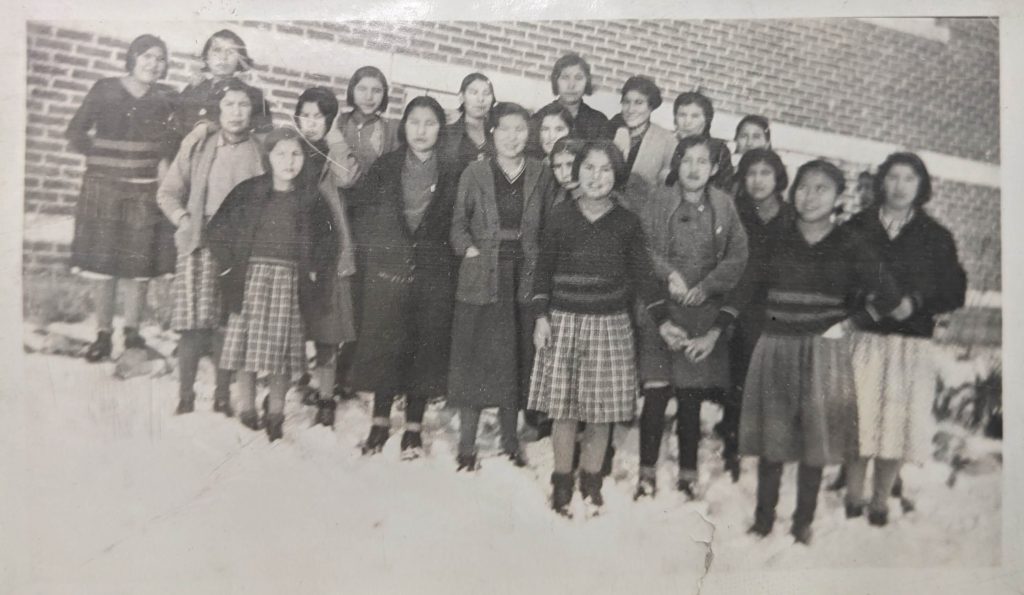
{"x": 593, "y": 259}
{"x": 275, "y": 244}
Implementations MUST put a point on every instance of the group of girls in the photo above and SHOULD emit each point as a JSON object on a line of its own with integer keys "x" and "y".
{"x": 560, "y": 263}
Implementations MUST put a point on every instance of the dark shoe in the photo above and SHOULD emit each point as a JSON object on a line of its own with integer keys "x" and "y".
{"x": 466, "y": 463}
{"x": 222, "y": 404}
{"x": 100, "y": 348}
{"x": 606, "y": 465}
{"x": 344, "y": 393}
{"x": 561, "y": 493}
{"x": 412, "y": 446}
{"x": 762, "y": 526}
{"x": 687, "y": 487}
{"x": 732, "y": 466}
{"x": 854, "y": 511}
{"x": 375, "y": 441}
{"x": 132, "y": 338}
{"x": 185, "y": 405}
{"x": 897, "y": 487}
{"x": 840, "y": 481}
{"x": 275, "y": 426}
{"x": 250, "y": 419}
{"x": 590, "y": 489}
{"x": 802, "y": 533}
{"x": 325, "y": 412}
{"x": 518, "y": 457}
{"x": 647, "y": 484}
{"x": 878, "y": 518}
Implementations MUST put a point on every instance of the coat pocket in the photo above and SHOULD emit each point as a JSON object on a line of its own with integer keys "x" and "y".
{"x": 473, "y": 278}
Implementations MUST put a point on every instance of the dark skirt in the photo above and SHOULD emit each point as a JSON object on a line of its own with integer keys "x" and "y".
{"x": 492, "y": 344}
{"x": 120, "y": 231}
{"x": 333, "y": 321}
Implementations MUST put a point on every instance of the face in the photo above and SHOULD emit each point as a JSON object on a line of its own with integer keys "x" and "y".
{"x": 552, "y": 128}
{"x": 571, "y": 83}
{"x": 422, "y": 129}
{"x": 760, "y": 181}
{"x": 695, "y": 168}
{"x": 636, "y": 111}
{"x": 235, "y": 112}
{"x": 369, "y": 94}
{"x": 286, "y": 160}
{"x": 901, "y": 184}
{"x": 312, "y": 122}
{"x": 150, "y": 65}
{"x": 597, "y": 175}
{"x": 865, "y": 193}
{"x": 510, "y": 136}
{"x": 561, "y": 167}
{"x": 751, "y": 136}
{"x": 815, "y": 197}
{"x": 223, "y": 58}
{"x": 690, "y": 120}
{"x": 477, "y": 99}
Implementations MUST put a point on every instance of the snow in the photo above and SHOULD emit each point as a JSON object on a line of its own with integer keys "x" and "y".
{"x": 118, "y": 495}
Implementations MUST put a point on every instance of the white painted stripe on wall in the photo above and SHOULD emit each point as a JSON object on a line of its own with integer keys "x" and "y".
{"x": 289, "y": 51}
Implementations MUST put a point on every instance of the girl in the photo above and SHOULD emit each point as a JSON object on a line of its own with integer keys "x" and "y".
{"x": 799, "y": 402}
{"x": 119, "y": 233}
{"x": 764, "y": 214}
{"x": 562, "y": 156}
{"x": 494, "y": 230}
{"x": 647, "y": 147}
{"x": 224, "y": 57}
{"x": 752, "y": 133}
{"x": 693, "y": 114}
{"x": 315, "y": 112}
{"x": 553, "y": 122}
{"x": 468, "y": 139}
{"x": 204, "y": 172}
{"x": 893, "y": 361}
{"x": 405, "y": 202}
{"x": 592, "y": 259}
{"x": 274, "y": 241}
{"x": 699, "y": 249}
{"x": 570, "y": 82}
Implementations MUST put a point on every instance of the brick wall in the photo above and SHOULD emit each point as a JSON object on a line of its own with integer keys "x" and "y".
{"x": 815, "y": 73}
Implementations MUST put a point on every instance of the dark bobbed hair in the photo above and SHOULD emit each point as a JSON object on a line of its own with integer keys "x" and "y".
{"x": 566, "y": 144}
{"x": 275, "y": 136}
{"x": 759, "y": 121}
{"x": 503, "y": 109}
{"x": 244, "y": 62}
{"x": 141, "y": 45}
{"x": 565, "y": 62}
{"x": 924, "y": 184}
{"x": 471, "y": 78}
{"x": 324, "y": 99}
{"x": 820, "y": 165}
{"x": 685, "y": 145}
{"x": 554, "y": 109}
{"x": 698, "y": 98}
{"x": 767, "y": 156}
{"x": 418, "y": 102}
{"x": 601, "y": 146}
{"x": 646, "y": 87}
{"x": 360, "y": 74}
{"x": 221, "y": 88}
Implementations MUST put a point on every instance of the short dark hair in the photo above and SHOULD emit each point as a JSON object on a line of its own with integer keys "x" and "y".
{"x": 324, "y": 99}
{"x": 565, "y": 62}
{"x": 646, "y": 87}
{"x": 924, "y": 184}
{"x": 566, "y": 144}
{"x": 759, "y": 121}
{"x": 681, "y": 148}
{"x": 820, "y": 165}
{"x": 244, "y": 62}
{"x": 367, "y": 72}
{"x": 554, "y": 109}
{"x": 141, "y": 45}
{"x": 766, "y": 156}
{"x": 603, "y": 146}
{"x": 471, "y": 78}
{"x": 503, "y": 109}
{"x": 698, "y": 98}
{"x": 418, "y": 102}
{"x": 221, "y": 88}
{"x": 275, "y": 136}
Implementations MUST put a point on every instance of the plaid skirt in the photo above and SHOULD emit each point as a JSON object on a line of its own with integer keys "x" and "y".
{"x": 120, "y": 231}
{"x": 266, "y": 336}
{"x": 588, "y": 371}
{"x": 195, "y": 292}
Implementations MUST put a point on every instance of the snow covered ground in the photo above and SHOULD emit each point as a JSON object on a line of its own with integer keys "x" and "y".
{"x": 118, "y": 495}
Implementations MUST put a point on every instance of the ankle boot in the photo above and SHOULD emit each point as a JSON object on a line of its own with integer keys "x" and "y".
{"x": 275, "y": 426}
{"x": 186, "y": 404}
{"x": 590, "y": 489}
{"x": 412, "y": 445}
{"x": 561, "y": 493}
{"x": 763, "y": 523}
{"x": 325, "y": 412}
{"x": 132, "y": 338}
{"x": 250, "y": 419}
{"x": 375, "y": 441}
{"x": 222, "y": 401}
{"x": 647, "y": 484}
{"x": 466, "y": 462}
{"x": 100, "y": 348}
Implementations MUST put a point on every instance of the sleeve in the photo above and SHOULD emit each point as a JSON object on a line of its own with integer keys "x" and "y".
{"x": 338, "y": 158}
{"x": 85, "y": 118}
{"x": 650, "y": 221}
{"x": 343, "y": 233}
{"x": 546, "y": 261}
{"x": 724, "y": 277}
{"x": 646, "y": 284}
{"x": 948, "y": 288}
{"x": 364, "y": 192}
{"x": 324, "y": 248}
{"x": 465, "y": 201}
{"x": 222, "y": 237}
{"x": 172, "y": 195}
{"x": 873, "y": 279}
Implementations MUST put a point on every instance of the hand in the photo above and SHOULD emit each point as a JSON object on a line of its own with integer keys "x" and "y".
{"x": 695, "y": 297}
{"x": 677, "y": 287}
{"x": 345, "y": 269}
{"x": 904, "y": 310}
{"x": 542, "y": 333}
{"x": 312, "y": 276}
{"x": 673, "y": 336}
{"x": 472, "y": 252}
{"x": 698, "y": 349}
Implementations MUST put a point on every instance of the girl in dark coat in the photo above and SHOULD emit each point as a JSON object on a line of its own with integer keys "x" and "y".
{"x": 494, "y": 229}
{"x": 274, "y": 241}
{"x": 405, "y": 204}
{"x": 468, "y": 139}
{"x": 893, "y": 360}
{"x": 570, "y": 83}
{"x": 693, "y": 114}
{"x": 552, "y": 122}
{"x": 120, "y": 235}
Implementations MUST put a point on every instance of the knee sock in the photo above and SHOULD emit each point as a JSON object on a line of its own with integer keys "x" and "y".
{"x": 652, "y": 423}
